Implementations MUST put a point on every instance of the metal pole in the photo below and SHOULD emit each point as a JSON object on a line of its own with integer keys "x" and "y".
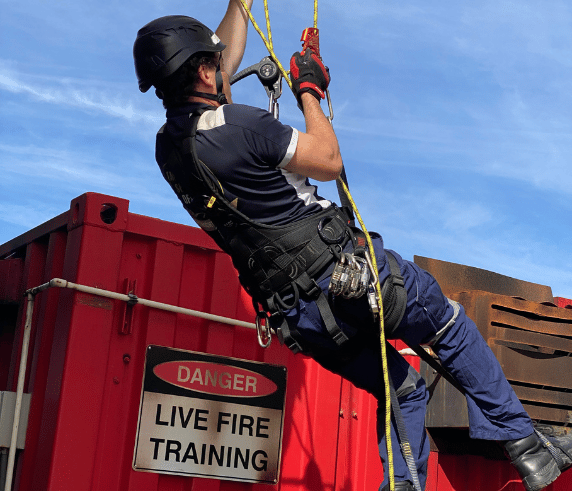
{"x": 136, "y": 300}
{"x": 19, "y": 392}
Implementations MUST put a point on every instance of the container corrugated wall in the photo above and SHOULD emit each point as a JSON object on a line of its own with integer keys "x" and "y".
{"x": 87, "y": 355}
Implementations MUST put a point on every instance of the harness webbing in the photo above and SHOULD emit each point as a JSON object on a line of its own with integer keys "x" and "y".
{"x": 276, "y": 263}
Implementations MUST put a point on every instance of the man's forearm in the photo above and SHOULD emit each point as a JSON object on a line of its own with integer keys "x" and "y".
{"x": 318, "y": 126}
{"x": 232, "y": 32}
{"x": 317, "y": 153}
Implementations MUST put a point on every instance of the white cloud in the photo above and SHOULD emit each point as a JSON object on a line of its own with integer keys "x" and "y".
{"x": 75, "y": 172}
{"x": 27, "y": 215}
{"x": 77, "y": 93}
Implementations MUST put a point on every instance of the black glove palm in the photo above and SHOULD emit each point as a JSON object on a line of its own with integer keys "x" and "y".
{"x": 308, "y": 74}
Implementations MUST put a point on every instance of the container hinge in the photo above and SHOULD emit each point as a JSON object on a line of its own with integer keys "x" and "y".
{"x": 129, "y": 287}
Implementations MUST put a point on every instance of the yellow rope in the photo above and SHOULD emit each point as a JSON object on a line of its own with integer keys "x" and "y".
{"x": 266, "y": 42}
{"x": 267, "y": 15}
{"x": 269, "y": 46}
{"x": 381, "y": 340}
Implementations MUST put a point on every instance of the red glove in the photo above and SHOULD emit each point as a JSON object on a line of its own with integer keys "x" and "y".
{"x": 308, "y": 74}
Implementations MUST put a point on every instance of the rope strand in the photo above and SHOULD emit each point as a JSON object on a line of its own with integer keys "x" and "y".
{"x": 382, "y": 341}
{"x": 269, "y": 46}
{"x": 266, "y": 42}
{"x": 267, "y": 15}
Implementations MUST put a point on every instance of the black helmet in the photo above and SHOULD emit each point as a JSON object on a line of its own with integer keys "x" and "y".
{"x": 164, "y": 44}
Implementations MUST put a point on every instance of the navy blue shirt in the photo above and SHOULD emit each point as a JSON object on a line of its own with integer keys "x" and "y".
{"x": 247, "y": 149}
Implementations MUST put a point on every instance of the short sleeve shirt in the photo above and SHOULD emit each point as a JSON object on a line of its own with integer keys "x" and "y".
{"x": 247, "y": 149}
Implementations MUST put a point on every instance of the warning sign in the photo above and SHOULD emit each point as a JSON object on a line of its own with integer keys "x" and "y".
{"x": 210, "y": 416}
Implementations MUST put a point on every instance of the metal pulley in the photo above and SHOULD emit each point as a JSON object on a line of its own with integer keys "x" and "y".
{"x": 269, "y": 76}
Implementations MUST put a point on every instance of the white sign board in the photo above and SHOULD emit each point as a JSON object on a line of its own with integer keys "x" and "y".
{"x": 209, "y": 416}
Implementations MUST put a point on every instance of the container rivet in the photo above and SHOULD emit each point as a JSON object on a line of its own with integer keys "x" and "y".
{"x": 116, "y": 380}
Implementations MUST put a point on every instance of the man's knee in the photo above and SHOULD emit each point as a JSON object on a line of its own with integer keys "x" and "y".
{"x": 410, "y": 384}
{"x": 455, "y": 315}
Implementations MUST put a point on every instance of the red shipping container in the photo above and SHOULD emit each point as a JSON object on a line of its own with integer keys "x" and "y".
{"x": 87, "y": 354}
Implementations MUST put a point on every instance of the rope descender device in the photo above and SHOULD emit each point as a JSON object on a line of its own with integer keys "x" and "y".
{"x": 311, "y": 39}
{"x": 270, "y": 77}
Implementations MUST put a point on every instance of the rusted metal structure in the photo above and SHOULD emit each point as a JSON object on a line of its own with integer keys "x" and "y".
{"x": 532, "y": 339}
{"x": 90, "y": 331}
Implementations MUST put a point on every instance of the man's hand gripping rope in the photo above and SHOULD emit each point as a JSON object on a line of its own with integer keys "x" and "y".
{"x": 307, "y": 71}
{"x": 308, "y": 74}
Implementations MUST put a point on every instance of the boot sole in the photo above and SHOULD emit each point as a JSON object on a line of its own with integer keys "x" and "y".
{"x": 547, "y": 475}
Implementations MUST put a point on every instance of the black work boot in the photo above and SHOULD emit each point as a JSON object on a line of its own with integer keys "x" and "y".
{"x": 400, "y": 486}
{"x": 533, "y": 462}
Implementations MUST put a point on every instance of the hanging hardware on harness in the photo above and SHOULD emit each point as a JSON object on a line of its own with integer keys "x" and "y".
{"x": 350, "y": 277}
{"x": 262, "y": 329}
{"x": 269, "y": 76}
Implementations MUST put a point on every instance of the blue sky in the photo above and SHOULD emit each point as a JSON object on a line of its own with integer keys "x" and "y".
{"x": 454, "y": 118}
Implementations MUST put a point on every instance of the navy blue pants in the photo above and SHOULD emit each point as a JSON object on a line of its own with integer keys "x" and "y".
{"x": 495, "y": 413}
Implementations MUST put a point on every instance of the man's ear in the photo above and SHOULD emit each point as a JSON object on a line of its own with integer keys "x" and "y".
{"x": 207, "y": 76}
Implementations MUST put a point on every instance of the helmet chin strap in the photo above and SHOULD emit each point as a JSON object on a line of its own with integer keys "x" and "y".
{"x": 219, "y": 96}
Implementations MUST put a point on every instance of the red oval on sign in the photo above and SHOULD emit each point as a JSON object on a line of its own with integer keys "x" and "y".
{"x": 214, "y": 378}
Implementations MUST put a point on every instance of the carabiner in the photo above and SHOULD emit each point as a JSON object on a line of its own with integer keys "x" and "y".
{"x": 330, "y": 108}
{"x": 262, "y": 330}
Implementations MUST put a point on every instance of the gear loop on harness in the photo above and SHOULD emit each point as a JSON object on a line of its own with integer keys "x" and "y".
{"x": 323, "y": 229}
{"x": 295, "y": 297}
{"x": 337, "y": 251}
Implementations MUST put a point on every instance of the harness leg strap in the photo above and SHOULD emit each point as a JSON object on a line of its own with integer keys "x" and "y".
{"x": 311, "y": 288}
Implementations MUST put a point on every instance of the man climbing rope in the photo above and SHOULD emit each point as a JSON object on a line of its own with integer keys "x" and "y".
{"x": 243, "y": 177}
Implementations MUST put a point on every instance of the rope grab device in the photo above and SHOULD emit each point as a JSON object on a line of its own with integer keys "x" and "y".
{"x": 270, "y": 72}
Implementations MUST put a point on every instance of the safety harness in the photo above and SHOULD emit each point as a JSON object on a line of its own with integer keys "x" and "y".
{"x": 277, "y": 264}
